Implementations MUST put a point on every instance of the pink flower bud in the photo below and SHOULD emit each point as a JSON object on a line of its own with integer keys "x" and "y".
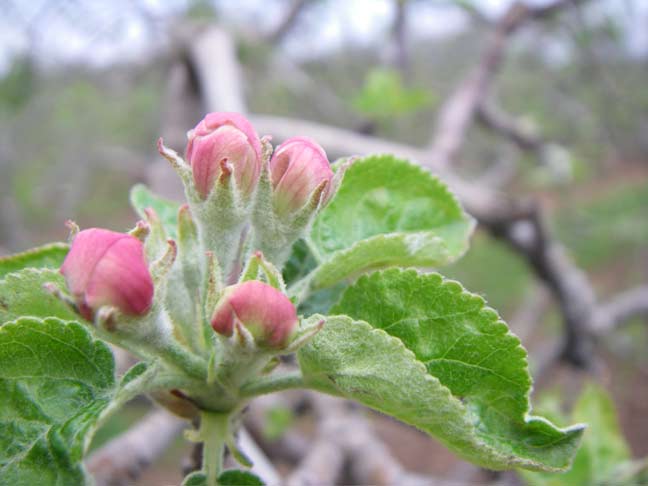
{"x": 224, "y": 137}
{"x": 108, "y": 268}
{"x": 297, "y": 168}
{"x": 263, "y": 310}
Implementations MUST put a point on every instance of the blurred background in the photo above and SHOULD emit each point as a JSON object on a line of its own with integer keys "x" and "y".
{"x": 559, "y": 116}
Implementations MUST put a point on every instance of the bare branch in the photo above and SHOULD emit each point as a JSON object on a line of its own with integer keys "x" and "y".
{"x": 345, "y": 437}
{"x": 217, "y": 69}
{"x": 458, "y": 112}
{"x": 621, "y": 309}
{"x": 287, "y": 22}
{"x": 125, "y": 457}
{"x": 397, "y": 46}
{"x": 262, "y": 466}
{"x": 495, "y": 119}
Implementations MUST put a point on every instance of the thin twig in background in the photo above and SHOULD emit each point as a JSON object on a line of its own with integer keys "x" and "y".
{"x": 124, "y": 458}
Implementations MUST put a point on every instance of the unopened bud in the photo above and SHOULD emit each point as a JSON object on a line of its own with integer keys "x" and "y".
{"x": 299, "y": 167}
{"x": 108, "y": 268}
{"x": 265, "y": 312}
{"x": 224, "y": 138}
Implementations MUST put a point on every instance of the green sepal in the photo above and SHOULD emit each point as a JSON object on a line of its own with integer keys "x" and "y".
{"x": 141, "y": 197}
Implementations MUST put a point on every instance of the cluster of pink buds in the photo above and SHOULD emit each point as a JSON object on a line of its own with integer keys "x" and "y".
{"x": 237, "y": 189}
{"x": 224, "y": 142}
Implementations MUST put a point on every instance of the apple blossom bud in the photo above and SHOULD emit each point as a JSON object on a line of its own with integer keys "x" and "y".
{"x": 298, "y": 167}
{"x": 108, "y": 268}
{"x": 224, "y": 138}
{"x": 265, "y": 312}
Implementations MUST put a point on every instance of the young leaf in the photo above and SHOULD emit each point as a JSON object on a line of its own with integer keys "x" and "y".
{"x": 387, "y": 212}
{"x": 451, "y": 369}
{"x": 22, "y": 294}
{"x": 236, "y": 477}
{"x": 604, "y": 456}
{"x": 141, "y": 198}
{"x": 55, "y": 380}
{"x": 47, "y": 256}
{"x": 231, "y": 477}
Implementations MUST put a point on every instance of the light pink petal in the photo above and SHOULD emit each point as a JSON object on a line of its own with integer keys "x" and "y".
{"x": 87, "y": 249}
{"x": 122, "y": 279}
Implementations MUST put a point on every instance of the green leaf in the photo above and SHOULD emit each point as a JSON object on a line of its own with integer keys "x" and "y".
{"x": 387, "y": 212}
{"x": 300, "y": 263}
{"x": 604, "y": 457}
{"x": 450, "y": 368}
{"x": 231, "y": 477}
{"x": 47, "y": 256}
{"x": 236, "y": 477}
{"x": 134, "y": 372}
{"x": 141, "y": 198}
{"x": 22, "y": 294}
{"x": 196, "y": 478}
{"x": 55, "y": 381}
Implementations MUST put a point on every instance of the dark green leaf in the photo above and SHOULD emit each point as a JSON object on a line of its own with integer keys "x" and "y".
{"x": 461, "y": 375}
{"x": 236, "y": 477}
{"x": 55, "y": 381}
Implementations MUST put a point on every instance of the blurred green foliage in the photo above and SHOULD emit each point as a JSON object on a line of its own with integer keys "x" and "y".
{"x": 277, "y": 421}
{"x": 383, "y": 96}
{"x": 604, "y": 457}
{"x": 16, "y": 86}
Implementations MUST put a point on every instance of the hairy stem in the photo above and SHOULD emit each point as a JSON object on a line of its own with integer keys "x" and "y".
{"x": 213, "y": 432}
{"x": 271, "y": 384}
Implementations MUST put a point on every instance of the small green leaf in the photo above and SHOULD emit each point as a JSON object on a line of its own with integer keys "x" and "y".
{"x": 55, "y": 381}
{"x": 231, "y": 477}
{"x": 236, "y": 477}
{"x": 604, "y": 457}
{"x": 47, "y": 256}
{"x": 300, "y": 263}
{"x": 387, "y": 212}
{"x": 22, "y": 294}
{"x": 451, "y": 368}
{"x": 196, "y": 478}
{"x": 133, "y": 372}
{"x": 141, "y": 198}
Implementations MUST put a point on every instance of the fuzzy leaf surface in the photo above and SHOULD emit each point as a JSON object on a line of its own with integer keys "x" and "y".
{"x": 141, "y": 197}
{"x": 55, "y": 381}
{"x": 387, "y": 212}
{"x": 22, "y": 294}
{"x": 46, "y": 256}
{"x": 436, "y": 358}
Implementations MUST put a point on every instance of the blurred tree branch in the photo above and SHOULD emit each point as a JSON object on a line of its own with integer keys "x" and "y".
{"x": 287, "y": 22}
{"x": 125, "y": 457}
